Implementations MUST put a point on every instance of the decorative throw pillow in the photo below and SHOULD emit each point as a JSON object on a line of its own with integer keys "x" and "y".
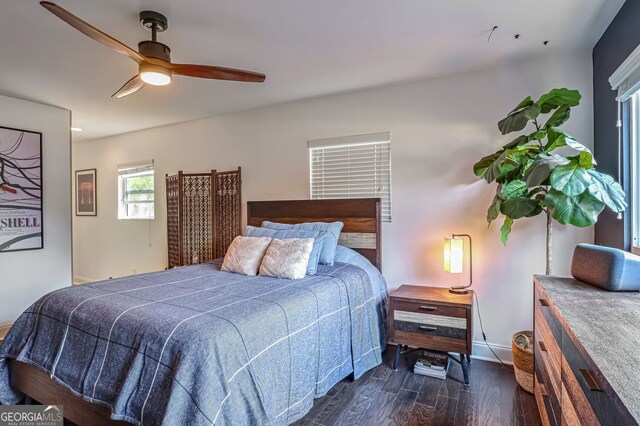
{"x": 331, "y": 231}
{"x": 284, "y": 234}
{"x": 245, "y": 255}
{"x": 287, "y": 258}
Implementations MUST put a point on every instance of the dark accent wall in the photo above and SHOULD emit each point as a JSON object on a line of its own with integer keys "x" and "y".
{"x": 615, "y": 45}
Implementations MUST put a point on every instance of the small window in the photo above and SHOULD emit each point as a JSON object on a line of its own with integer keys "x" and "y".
{"x": 136, "y": 191}
{"x": 352, "y": 167}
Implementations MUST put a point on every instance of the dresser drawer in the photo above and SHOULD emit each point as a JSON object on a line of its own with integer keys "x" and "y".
{"x": 549, "y": 406}
{"x": 588, "y": 394}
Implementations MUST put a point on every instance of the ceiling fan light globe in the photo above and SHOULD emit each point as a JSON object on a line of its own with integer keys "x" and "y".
{"x": 155, "y": 75}
{"x": 155, "y": 78}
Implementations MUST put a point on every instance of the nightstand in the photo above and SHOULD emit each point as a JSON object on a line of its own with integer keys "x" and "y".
{"x": 432, "y": 318}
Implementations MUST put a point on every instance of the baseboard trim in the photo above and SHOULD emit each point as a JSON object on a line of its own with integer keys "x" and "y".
{"x": 77, "y": 279}
{"x": 482, "y": 352}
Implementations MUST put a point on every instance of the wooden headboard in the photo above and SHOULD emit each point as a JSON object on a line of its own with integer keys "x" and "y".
{"x": 362, "y": 229}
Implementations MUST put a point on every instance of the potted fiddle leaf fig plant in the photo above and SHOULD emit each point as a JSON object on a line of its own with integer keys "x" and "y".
{"x": 545, "y": 170}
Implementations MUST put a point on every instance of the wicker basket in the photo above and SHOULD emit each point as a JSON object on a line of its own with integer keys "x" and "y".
{"x": 522, "y": 348}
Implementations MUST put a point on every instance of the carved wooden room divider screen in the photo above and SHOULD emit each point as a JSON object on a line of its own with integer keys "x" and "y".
{"x": 203, "y": 215}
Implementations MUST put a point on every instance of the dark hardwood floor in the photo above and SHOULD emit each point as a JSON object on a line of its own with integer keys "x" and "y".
{"x": 386, "y": 397}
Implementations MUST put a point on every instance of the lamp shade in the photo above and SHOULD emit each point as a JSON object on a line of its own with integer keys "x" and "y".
{"x": 453, "y": 255}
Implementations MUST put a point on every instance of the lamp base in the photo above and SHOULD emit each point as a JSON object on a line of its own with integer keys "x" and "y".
{"x": 459, "y": 290}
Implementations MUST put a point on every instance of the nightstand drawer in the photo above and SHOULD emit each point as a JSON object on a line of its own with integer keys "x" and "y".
{"x": 438, "y": 343}
{"x": 430, "y": 308}
{"x": 429, "y": 324}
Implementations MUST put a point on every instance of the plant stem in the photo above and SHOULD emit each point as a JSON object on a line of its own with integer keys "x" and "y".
{"x": 549, "y": 243}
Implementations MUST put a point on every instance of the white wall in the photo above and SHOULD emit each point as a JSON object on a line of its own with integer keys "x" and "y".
{"x": 439, "y": 128}
{"x": 27, "y": 275}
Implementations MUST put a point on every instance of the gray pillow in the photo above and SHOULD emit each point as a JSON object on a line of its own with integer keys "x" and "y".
{"x": 284, "y": 234}
{"x": 331, "y": 231}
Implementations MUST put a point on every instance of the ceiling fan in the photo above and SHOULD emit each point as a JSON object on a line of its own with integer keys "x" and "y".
{"x": 153, "y": 58}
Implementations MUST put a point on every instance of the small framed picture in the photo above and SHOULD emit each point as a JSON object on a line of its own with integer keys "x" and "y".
{"x": 86, "y": 204}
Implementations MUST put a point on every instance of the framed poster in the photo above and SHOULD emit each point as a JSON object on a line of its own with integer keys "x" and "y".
{"x": 86, "y": 193}
{"x": 20, "y": 190}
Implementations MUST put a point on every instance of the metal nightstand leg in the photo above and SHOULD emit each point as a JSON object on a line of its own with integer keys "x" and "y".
{"x": 465, "y": 371}
{"x": 396, "y": 360}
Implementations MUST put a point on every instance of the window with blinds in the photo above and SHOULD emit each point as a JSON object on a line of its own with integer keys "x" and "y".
{"x": 136, "y": 191}
{"x": 352, "y": 167}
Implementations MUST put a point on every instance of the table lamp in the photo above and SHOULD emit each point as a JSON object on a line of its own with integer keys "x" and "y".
{"x": 454, "y": 260}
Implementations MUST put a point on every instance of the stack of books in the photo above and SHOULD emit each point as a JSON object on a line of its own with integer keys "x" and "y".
{"x": 432, "y": 364}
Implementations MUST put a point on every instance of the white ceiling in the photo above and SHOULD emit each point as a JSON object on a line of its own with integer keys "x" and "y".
{"x": 305, "y": 47}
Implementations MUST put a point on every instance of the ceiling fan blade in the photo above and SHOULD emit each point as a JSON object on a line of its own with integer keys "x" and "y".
{"x": 129, "y": 87}
{"x": 216, "y": 73}
{"x": 92, "y": 31}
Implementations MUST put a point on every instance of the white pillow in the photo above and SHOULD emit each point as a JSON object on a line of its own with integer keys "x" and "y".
{"x": 245, "y": 254}
{"x": 287, "y": 258}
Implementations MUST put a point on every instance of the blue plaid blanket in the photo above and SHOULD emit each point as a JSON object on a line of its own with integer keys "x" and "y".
{"x": 196, "y": 345}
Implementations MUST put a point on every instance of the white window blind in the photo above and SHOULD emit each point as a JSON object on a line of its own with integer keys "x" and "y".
{"x": 352, "y": 167}
{"x": 136, "y": 190}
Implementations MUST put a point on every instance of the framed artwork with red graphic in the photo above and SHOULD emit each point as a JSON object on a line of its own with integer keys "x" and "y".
{"x": 20, "y": 190}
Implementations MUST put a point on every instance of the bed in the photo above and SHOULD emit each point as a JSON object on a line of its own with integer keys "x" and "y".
{"x": 198, "y": 345}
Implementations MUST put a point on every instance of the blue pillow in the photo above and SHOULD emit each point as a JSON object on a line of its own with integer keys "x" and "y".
{"x": 285, "y": 234}
{"x": 331, "y": 231}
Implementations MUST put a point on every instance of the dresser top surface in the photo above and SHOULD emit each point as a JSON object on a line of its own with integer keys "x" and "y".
{"x": 607, "y": 325}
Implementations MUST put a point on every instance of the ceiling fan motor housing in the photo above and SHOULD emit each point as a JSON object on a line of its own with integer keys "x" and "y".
{"x": 155, "y": 49}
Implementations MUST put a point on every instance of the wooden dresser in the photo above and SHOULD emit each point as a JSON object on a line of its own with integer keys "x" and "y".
{"x": 587, "y": 353}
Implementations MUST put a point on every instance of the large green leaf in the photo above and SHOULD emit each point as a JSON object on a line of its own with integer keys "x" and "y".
{"x": 558, "y": 97}
{"x": 607, "y": 190}
{"x": 556, "y": 139}
{"x": 517, "y": 121}
{"x": 527, "y": 102}
{"x": 559, "y": 117}
{"x": 542, "y": 167}
{"x": 515, "y": 188}
{"x": 518, "y": 207}
{"x": 520, "y": 140}
{"x": 572, "y": 179}
{"x": 581, "y": 210}
{"x": 585, "y": 159}
{"x": 480, "y": 168}
{"x": 505, "y": 229}
{"x": 500, "y": 167}
{"x": 494, "y": 209}
{"x": 536, "y": 211}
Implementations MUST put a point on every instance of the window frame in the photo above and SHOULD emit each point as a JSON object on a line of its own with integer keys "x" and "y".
{"x": 634, "y": 163}
{"x": 126, "y": 172}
